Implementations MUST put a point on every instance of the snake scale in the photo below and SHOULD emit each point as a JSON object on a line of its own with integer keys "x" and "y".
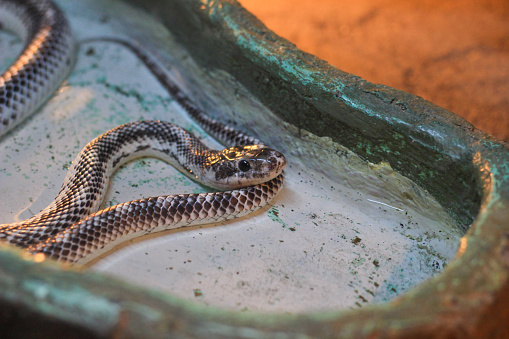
{"x": 71, "y": 229}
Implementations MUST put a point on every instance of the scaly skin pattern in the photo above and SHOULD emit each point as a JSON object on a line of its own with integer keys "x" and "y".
{"x": 102, "y": 231}
{"x": 87, "y": 180}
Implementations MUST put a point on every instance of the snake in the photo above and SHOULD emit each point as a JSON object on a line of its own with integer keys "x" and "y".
{"x": 72, "y": 229}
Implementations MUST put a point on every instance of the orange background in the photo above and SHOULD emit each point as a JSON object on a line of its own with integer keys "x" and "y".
{"x": 454, "y": 53}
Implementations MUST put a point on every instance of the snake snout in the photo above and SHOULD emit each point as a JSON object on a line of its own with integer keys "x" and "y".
{"x": 276, "y": 163}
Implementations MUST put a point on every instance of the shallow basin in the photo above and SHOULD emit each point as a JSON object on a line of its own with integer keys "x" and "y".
{"x": 393, "y": 219}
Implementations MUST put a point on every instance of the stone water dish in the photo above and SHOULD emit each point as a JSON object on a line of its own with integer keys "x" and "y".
{"x": 393, "y": 221}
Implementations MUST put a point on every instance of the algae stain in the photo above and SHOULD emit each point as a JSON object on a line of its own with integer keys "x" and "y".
{"x": 273, "y": 214}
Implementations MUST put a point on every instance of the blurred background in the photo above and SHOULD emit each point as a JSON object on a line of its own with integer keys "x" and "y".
{"x": 454, "y": 53}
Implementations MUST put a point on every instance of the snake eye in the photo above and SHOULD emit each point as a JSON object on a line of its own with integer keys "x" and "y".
{"x": 244, "y": 165}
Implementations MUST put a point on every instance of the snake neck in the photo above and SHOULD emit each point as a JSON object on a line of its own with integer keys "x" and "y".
{"x": 87, "y": 178}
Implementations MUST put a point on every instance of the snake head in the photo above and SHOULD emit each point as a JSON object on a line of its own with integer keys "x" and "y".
{"x": 242, "y": 166}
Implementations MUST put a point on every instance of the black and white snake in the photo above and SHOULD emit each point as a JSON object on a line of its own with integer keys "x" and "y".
{"x": 70, "y": 228}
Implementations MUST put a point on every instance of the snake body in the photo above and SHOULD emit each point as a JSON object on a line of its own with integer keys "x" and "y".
{"x": 45, "y": 61}
{"x": 70, "y": 228}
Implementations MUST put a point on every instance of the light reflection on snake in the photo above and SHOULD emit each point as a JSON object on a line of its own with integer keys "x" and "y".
{"x": 70, "y": 228}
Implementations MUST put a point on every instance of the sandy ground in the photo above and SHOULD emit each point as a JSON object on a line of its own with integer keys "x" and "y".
{"x": 454, "y": 53}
